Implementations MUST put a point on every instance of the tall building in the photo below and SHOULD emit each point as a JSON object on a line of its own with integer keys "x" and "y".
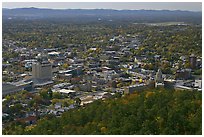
{"x": 192, "y": 60}
{"x": 159, "y": 81}
{"x": 42, "y": 71}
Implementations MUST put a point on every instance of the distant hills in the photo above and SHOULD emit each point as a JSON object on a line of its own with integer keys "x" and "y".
{"x": 103, "y": 15}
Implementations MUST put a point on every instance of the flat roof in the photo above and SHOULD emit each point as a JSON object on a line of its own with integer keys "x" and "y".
{"x": 54, "y": 53}
{"x": 182, "y": 87}
{"x": 66, "y": 91}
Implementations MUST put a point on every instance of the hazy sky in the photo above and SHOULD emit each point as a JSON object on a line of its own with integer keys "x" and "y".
{"x": 192, "y": 6}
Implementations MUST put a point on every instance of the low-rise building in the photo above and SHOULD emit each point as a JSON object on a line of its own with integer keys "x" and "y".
{"x": 183, "y": 74}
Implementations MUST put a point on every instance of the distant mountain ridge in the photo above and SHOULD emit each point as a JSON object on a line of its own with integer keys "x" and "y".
{"x": 108, "y": 14}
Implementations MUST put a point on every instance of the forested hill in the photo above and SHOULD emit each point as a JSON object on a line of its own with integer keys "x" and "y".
{"x": 150, "y": 112}
{"x": 104, "y": 15}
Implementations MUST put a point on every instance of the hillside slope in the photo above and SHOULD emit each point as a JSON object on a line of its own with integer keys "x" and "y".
{"x": 150, "y": 112}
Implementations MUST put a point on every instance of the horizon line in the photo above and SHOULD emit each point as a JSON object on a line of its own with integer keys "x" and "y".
{"x": 96, "y": 9}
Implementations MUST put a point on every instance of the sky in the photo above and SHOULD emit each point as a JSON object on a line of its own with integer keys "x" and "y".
{"x": 190, "y": 6}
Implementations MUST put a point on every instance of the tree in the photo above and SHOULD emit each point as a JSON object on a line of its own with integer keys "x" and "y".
{"x": 65, "y": 66}
{"x": 44, "y": 94}
{"x": 50, "y": 93}
{"x": 77, "y": 101}
{"x": 118, "y": 95}
{"x": 56, "y": 95}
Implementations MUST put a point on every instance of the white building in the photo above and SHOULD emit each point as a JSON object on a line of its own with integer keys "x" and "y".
{"x": 159, "y": 81}
{"x": 198, "y": 84}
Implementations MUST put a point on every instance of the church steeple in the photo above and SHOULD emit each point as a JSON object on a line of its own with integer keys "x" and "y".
{"x": 159, "y": 79}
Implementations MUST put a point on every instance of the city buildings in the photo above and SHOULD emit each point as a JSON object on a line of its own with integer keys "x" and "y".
{"x": 41, "y": 73}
